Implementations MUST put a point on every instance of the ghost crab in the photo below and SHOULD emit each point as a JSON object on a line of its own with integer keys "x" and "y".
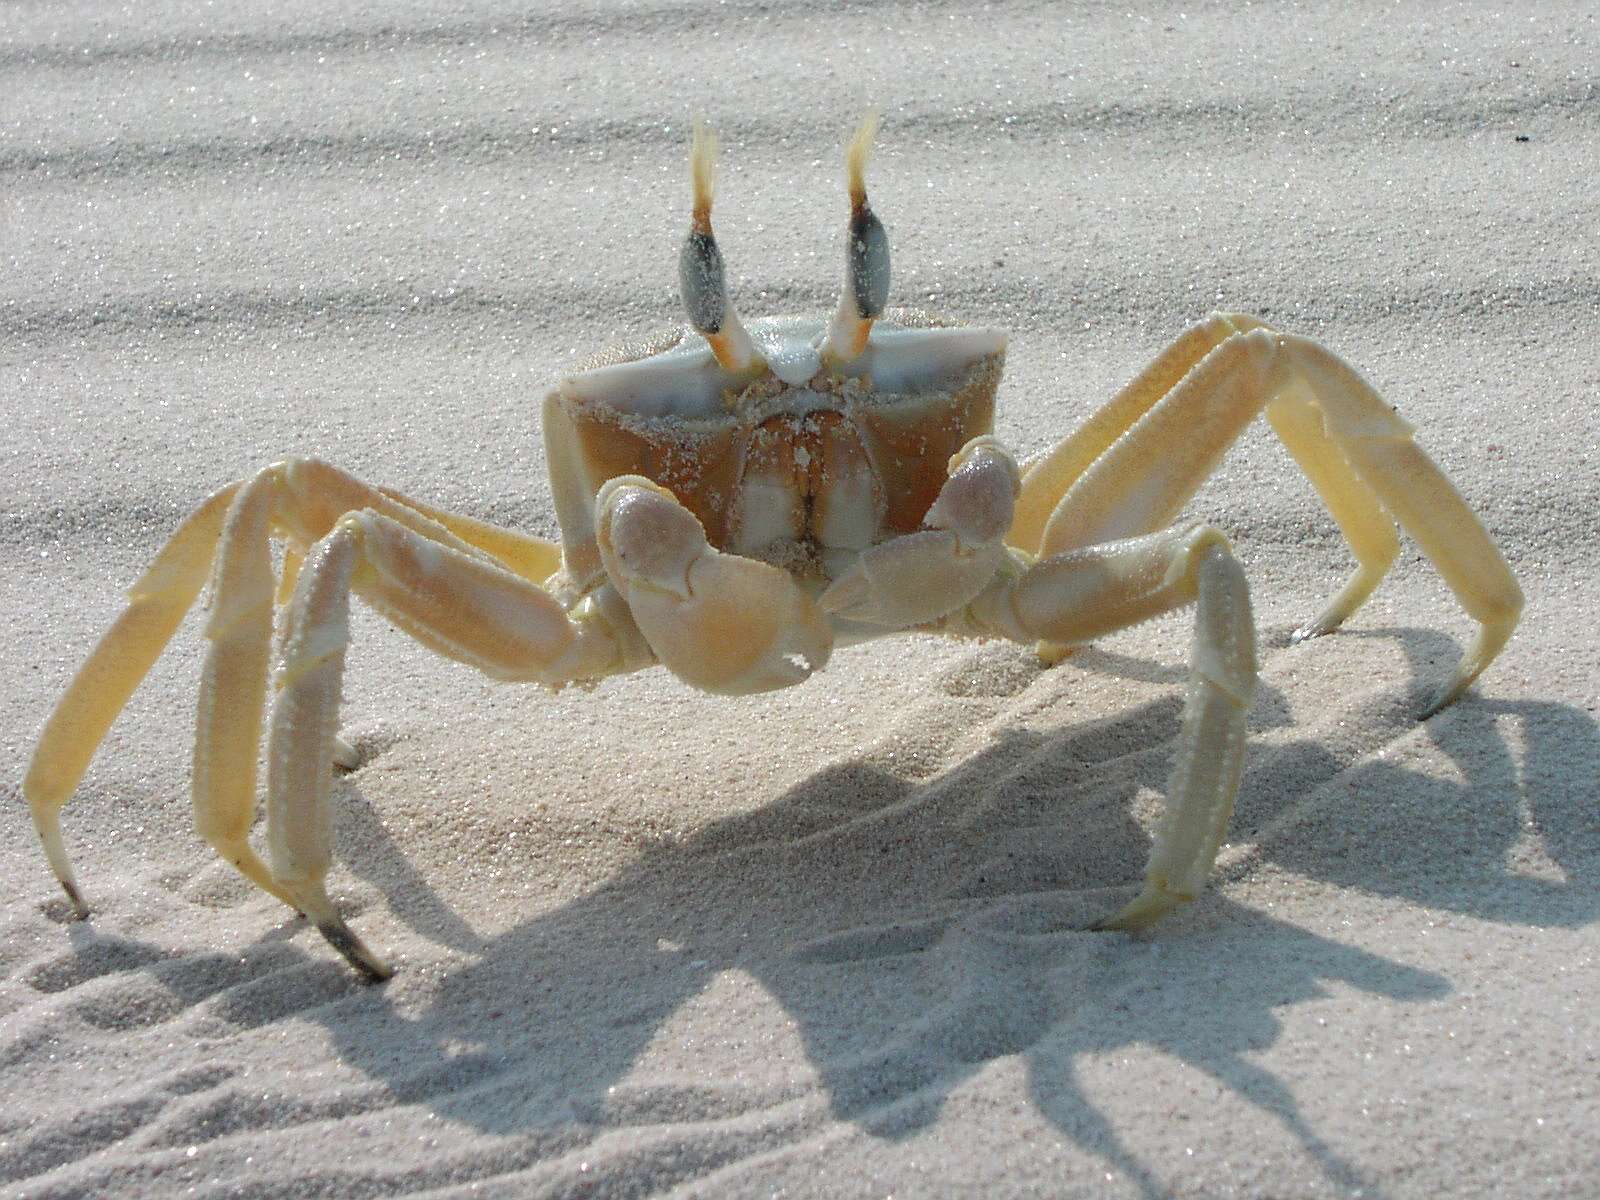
{"x": 734, "y": 502}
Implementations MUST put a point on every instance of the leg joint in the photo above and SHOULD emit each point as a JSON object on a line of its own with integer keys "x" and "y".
{"x": 1199, "y": 540}
{"x": 355, "y": 525}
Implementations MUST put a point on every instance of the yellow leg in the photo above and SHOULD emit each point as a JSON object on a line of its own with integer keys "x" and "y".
{"x": 457, "y": 603}
{"x": 1410, "y": 485}
{"x": 1366, "y": 526}
{"x": 1358, "y": 454}
{"x": 533, "y": 558}
{"x": 102, "y": 686}
{"x": 1143, "y": 481}
{"x": 1045, "y": 480}
{"x": 299, "y": 501}
{"x": 233, "y": 681}
{"x": 1084, "y": 594}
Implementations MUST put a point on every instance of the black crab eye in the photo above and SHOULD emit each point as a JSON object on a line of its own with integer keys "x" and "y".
{"x": 703, "y": 282}
{"x": 868, "y": 262}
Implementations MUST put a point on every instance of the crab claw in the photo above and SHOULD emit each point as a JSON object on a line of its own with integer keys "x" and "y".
{"x": 920, "y": 577}
{"x": 719, "y": 621}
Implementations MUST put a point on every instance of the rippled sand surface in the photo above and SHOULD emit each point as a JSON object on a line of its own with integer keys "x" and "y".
{"x": 825, "y": 942}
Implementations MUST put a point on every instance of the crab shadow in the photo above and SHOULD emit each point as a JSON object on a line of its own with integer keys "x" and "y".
{"x": 914, "y": 929}
{"x": 928, "y": 926}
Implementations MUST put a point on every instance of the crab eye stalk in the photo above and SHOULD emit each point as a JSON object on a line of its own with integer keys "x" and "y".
{"x": 866, "y": 285}
{"x": 701, "y": 277}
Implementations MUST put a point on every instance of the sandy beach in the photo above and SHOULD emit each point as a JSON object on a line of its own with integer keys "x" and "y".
{"x": 829, "y": 941}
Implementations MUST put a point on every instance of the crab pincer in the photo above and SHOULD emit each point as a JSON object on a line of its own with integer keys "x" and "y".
{"x": 723, "y": 622}
{"x": 920, "y": 577}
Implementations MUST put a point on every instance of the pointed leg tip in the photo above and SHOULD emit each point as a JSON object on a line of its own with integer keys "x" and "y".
{"x": 1441, "y": 701}
{"x": 80, "y": 909}
{"x": 1463, "y": 679}
{"x": 343, "y": 939}
{"x": 1114, "y": 924}
{"x": 1492, "y": 637}
{"x": 46, "y": 821}
{"x": 1053, "y": 654}
{"x": 345, "y": 756}
{"x": 1321, "y": 627}
{"x": 1143, "y": 911}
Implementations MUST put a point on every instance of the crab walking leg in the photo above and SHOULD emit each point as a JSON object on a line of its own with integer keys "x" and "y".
{"x": 302, "y": 499}
{"x": 1367, "y": 528}
{"x": 1085, "y": 594}
{"x": 1047, "y": 478}
{"x": 299, "y": 500}
{"x": 233, "y": 681}
{"x": 344, "y": 754}
{"x": 124, "y": 655}
{"x": 457, "y": 604}
{"x": 337, "y": 491}
{"x": 1368, "y": 465}
{"x": 1293, "y": 415}
{"x": 919, "y": 577}
{"x": 721, "y": 622}
{"x": 1410, "y": 485}
{"x": 535, "y": 559}
{"x": 532, "y": 558}
{"x": 1148, "y": 474}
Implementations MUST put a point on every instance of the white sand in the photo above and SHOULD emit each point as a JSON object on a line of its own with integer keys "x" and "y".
{"x": 821, "y": 942}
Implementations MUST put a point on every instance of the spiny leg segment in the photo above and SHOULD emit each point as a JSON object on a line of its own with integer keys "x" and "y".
{"x": 1138, "y": 461}
{"x": 120, "y": 660}
{"x": 1081, "y": 595}
{"x": 462, "y": 605}
{"x": 230, "y": 536}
